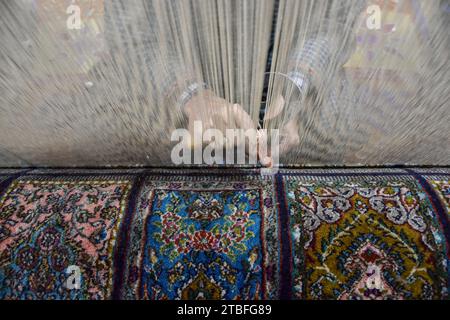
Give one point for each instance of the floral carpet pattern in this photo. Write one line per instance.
(204, 239)
(379, 233)
(365, 240)
(47, 226)
(443, 190)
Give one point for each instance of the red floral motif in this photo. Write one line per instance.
(170, 226)
(170, 218)
(183, 242)
(240, 217)
(204, 241)
(49, 238)
(27, 258)
(178, 238)
(182, 230)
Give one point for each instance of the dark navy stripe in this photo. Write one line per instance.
(6, 183)
(285, 241)
(120, 257)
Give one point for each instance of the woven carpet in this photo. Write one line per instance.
(380, 233)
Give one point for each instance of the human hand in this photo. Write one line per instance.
(217, 113)
(289, 129)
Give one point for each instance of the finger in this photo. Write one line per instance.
(263, 153)
(289, 142)
(195, 128)
(243, 121)
(275, 107)
(242, 118)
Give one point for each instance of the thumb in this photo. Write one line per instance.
(263, 153)
(194, 126)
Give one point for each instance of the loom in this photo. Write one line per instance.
(107, 93)
(338, 111)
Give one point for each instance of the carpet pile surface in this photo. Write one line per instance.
(379, 233)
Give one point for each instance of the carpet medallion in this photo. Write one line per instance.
(47, 226)
(365, 238)
(204, 238)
